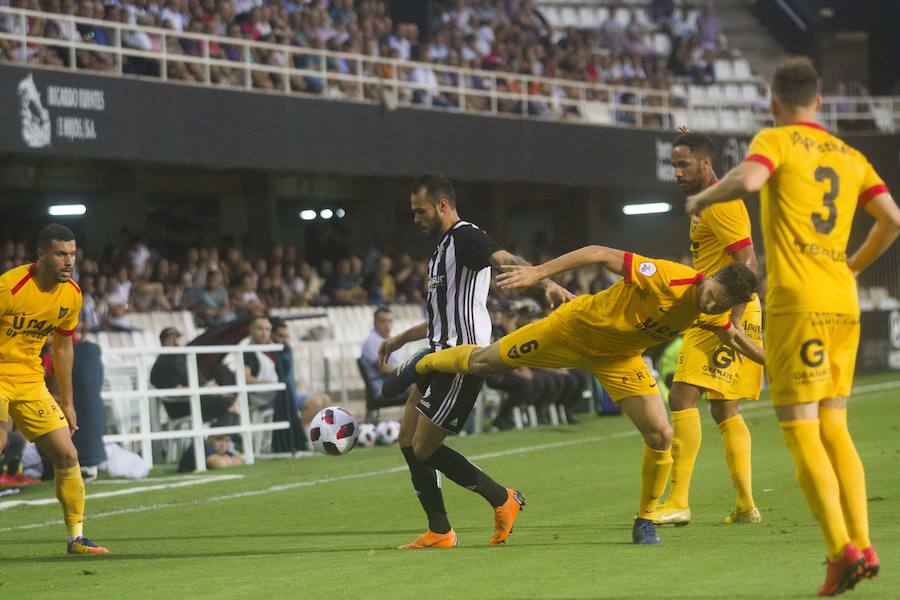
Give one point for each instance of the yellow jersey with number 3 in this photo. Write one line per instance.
(817, 181)
(28, 316)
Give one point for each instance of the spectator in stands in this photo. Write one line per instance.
(87, 382)
(709, 27)
(373, 369)
(170, 371)
(306, 404)
(94, 313)
(259, 367)
(213, 303)
(345, 287)
(381, 287)
(219, 450)
(245, 298)
(12, 445)
(117, 299)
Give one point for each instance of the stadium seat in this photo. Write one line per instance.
(732, 93)
(742, 70)
(568, 17)
(714, 94)
(749, 92)
(723, 70)
(552, 14)
(697, 94)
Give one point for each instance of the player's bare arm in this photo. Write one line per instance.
(392, 344)
(745, 255)
(882, 234)
(63, 355)
(746, 178)
(554, 294)
(517, 277)
(737, 339)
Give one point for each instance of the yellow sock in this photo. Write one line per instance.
(70, 493)
(451, 360)
(849, 470)
(818, 481)
(736, 439)
(655, 468)
(686, 436)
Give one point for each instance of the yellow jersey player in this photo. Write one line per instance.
(811, 184)
(38, 301)
(720, 235)
(606, 334)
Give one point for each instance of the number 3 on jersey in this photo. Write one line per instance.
(825, 225)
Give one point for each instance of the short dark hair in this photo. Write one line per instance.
(277, 323)
(380, 310)
(700, 144)
(167, 333)
(739, 280)
(436, 187)
(54, 232)
(795, 82)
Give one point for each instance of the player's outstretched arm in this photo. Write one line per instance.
(746, 178)
(554, 293)
(737, 339)
(63, 356)
(516, 277)
(882, 234)
(392, 344)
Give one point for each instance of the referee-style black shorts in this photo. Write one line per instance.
(449, 399)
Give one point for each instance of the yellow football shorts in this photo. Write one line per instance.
(32, 408)
(810, 356)
(709, 364)
(540, 345)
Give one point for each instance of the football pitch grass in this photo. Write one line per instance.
(328, 527)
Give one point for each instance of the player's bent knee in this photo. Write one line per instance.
(486, 361)
(660, 438)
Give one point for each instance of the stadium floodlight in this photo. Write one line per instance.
(67, 210)
(646, 209)
(339, 213)
(308, 214)
(326, 213)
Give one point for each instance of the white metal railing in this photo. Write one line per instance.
(139, 360)
(234, 62)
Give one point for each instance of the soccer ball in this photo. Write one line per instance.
(387, 432)
(333, 431)
(367, 436)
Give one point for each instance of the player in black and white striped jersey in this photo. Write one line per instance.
(458, 280)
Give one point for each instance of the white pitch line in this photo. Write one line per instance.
(144, 480)
(125, 492)
(861, 390)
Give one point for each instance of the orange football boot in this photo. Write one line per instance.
(505, 515)
(430, 539)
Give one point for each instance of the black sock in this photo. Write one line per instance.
(425, 482)
(462, 472)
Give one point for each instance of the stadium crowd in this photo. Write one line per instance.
(496, 35)
(223, 284)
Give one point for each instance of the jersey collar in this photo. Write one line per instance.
(810, 124)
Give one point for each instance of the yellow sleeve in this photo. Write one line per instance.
(767, 149)
(872, 184)
(70, 323)
(715, 322)
(6, 299)
(730, 222)
(641, 271)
